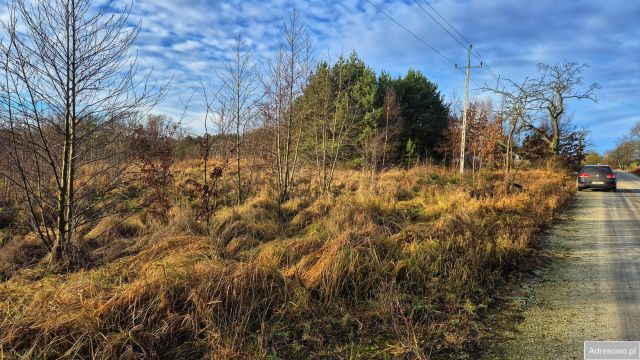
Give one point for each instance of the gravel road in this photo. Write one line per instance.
(590, 290)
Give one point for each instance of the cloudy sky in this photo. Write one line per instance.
(187, 40)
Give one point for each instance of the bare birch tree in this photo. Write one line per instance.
(342, 98)
(287, 77)
(325, 124)
(240, 81)
(70, 85)
(216, 118)
(333, 120)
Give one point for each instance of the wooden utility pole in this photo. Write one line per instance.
(464, 114)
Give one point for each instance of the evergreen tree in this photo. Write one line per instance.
(424, 111)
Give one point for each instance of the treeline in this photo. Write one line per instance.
(626, 154)
(381, 121)
(347, 115)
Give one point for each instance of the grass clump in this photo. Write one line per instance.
(18, 253)
(115, 227)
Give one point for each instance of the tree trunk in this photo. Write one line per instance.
(554, 144)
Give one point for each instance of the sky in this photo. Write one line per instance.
(186, 41)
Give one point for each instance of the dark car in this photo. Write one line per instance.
(597, 177)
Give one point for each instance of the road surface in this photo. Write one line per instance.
(591, 290)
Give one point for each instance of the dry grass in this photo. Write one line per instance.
(396, 267)
(19, 253)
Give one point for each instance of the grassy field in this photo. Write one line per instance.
(397, 266)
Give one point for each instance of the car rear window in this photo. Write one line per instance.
(597, 170)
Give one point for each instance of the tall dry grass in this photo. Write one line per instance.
(399, 266)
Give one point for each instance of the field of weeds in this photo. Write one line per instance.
(400, 266)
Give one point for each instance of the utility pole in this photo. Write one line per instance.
(464, 114)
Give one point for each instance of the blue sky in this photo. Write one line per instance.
(187, 40)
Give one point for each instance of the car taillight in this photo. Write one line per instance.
(611, 176)
(583, 175)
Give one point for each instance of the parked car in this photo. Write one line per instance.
(597, 177)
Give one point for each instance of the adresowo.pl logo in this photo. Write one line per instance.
(612, 350)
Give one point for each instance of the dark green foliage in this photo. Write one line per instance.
(573, 148)
(349, 93)
(338, 114)
(7, 216)
(424, 112)
(342, 112)
(410, 153)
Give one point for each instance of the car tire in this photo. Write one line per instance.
(614, 190)
(579, 188)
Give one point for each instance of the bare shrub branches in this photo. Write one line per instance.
(70, 87)
(153, 145)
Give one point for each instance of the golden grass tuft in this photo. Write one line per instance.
(113, 226)
(257, 219)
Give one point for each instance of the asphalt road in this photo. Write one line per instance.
(591, 289)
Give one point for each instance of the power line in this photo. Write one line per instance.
(440, 24)
(476, 53)
(448, 23)
(475, 83)
(424, 42)
(464, 115)
(489, 69)
(412, 34)
(468, 67)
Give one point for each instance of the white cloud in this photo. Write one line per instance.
(188, 39)
(186, 46)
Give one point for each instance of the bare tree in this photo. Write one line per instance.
(154, 144)
(556, 85)
(518, 105)
(485, 132)
(515, 110)
(539, 105)
(205, 150)
(70, 85)
(329, 126)
(288, 75)
(240, 81)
